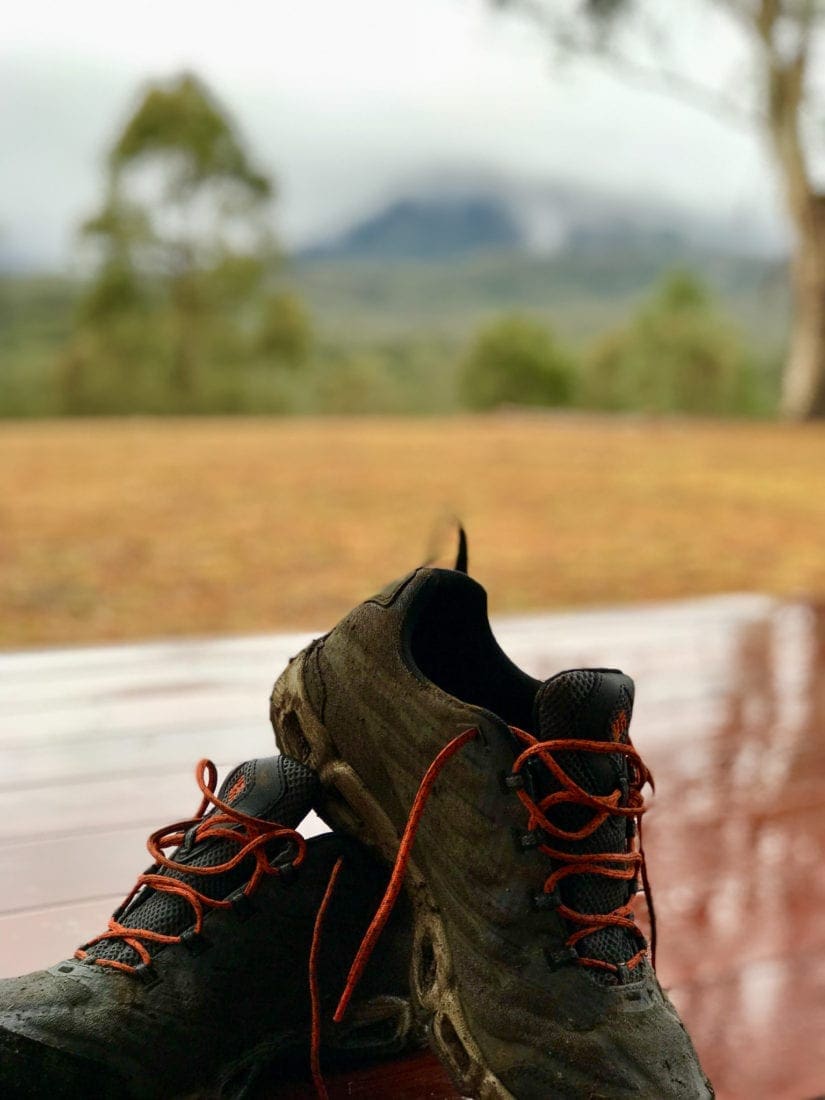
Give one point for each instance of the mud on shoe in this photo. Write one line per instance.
(510, 809)
(222, 966)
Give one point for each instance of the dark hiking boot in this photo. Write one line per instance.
(528, 963)
(224, 964)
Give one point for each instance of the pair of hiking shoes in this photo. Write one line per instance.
(509, 812)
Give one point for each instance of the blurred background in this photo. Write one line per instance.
(602, 229)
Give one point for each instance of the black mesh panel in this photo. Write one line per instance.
(560, 706)
(283, 791)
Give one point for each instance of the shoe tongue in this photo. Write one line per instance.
(273, 788)
(588, 705)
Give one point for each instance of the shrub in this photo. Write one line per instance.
(679, 353)
(353, 383)
(516, 360)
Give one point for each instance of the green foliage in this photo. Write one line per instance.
(355, 383)
(27, 388)
(516, 360)
(182, 121)
(285, 334)
(35, 318)
(183, 313)
(679, 353)
(116, 292)
(411, 348)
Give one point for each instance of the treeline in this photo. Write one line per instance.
(678, 353)
(186, 309)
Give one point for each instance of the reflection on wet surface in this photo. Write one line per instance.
(730, 717)
(737, 847)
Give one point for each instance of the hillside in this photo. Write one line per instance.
(429, 308)
(580, 290)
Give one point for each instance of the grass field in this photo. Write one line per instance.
(140, 528)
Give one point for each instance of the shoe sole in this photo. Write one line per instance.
(348, 805)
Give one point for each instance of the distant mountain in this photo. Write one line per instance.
(427, 228)
(449, 217)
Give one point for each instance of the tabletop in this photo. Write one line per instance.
(98, 744)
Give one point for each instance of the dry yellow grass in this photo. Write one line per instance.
(140, 528)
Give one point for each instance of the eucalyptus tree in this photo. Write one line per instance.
(182, 246)
(782, 95)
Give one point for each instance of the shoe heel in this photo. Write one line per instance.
(347, 805)
(299, 732)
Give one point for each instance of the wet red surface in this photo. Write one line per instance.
(730, 717)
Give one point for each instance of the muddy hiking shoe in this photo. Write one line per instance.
(223, 966)
(510, 809)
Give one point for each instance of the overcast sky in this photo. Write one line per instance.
(344, 102)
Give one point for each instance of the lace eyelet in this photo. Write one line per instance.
(287, 873)
(525, 841)
(623, 975)
(146, 974)
(242, 905)
(546, 902)
(563, 957)
(482, 740)
(194, 942)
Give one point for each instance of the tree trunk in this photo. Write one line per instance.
(803, 388)
(803, 381)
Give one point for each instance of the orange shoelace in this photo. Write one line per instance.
(314, 989)
(252, 834)
(625, 865)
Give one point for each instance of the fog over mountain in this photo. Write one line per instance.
(355, 107)
(454, 214)
(448, 214)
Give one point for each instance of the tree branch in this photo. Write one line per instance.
(690, 91)
(659, 78)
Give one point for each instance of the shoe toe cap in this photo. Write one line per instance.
(646, 1057)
